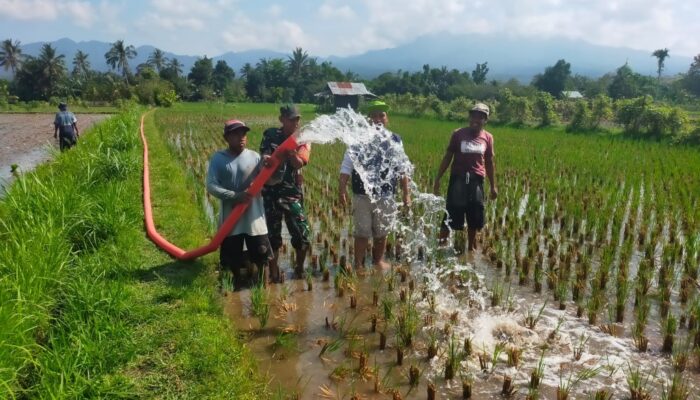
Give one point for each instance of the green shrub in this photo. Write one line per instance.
(544, 109)
(642, 116)
(581, 118)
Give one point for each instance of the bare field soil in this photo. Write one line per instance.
(25, 139)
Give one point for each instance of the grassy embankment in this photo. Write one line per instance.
(88, 306)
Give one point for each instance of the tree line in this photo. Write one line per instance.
(298, 78)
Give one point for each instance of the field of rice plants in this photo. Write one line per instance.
(587, 272)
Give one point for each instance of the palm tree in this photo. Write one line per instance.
(81, 65)
(52, 68)
(298, 61)
(157, 59)
(661, 55)
(175, 65)
(246, 70)
(118, 57)
(10, 55)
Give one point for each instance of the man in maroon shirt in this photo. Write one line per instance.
(471, 154)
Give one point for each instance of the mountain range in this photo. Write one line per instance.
(507, 56)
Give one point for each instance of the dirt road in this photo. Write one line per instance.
(26, 138)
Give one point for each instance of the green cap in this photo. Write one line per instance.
(290, 110)
(377, 106)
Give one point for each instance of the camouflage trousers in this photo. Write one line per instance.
(292, 211)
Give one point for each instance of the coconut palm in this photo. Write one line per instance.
(10, 55)
(298, 61)
(81, 65)
(661, 55)
(157, 60)
(52, 68)
(176, 66)
(118, 57)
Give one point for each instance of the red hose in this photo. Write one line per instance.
(236, 213)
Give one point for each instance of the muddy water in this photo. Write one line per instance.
(302, 322)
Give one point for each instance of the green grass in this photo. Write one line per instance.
(89, 307)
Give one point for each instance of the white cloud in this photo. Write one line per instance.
(641, 24)
(342, 28)
(333, 11)
(186, 7)
(81, 13)
(283, 35)
(274, 10)
(172, 23)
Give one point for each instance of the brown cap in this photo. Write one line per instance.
(233, 125)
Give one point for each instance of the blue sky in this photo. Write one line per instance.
(331, 27)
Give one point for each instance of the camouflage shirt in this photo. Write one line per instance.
(287, 181)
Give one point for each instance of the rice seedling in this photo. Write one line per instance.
(467, 347)
(496, 294)
(568, 384)
(532, 393)
(531, 318)
(309, 279)
(602, 394)
(638, 383)
(406, 323)
(537, 374)
(580, 345)
(454, 357)
(677, 389)
(514, 354)
(553, 334)
(226, 281)
(260, 304)
(432, 342)
(286, 342)
(669, 330)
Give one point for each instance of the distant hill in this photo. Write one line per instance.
(507, 57)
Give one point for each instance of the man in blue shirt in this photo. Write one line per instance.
(65, 127)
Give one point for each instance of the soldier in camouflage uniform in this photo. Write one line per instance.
(283, 194)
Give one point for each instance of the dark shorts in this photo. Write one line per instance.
(231, 253)
(67, 140)
(292, 212)
(467, 200)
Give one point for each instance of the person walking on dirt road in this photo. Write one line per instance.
(471, 155)
(373, 217)
(65, 127)
(283, 194)
(230, 173)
